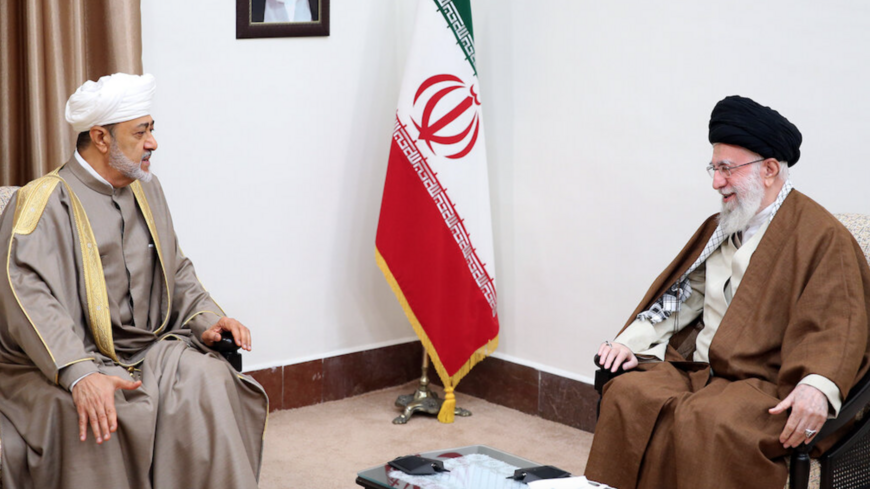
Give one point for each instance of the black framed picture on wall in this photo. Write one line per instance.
(281, 18)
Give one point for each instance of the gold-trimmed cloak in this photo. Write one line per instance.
(94, 281)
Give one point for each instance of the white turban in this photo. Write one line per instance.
(114, 98)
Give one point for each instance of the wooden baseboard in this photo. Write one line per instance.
(560, 399)
(334, 378)
(525, 389)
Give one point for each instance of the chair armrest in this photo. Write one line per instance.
(857, 400)
(228, 349)
(603, 375)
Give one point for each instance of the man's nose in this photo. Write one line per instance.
(151, 142)
(719, 181)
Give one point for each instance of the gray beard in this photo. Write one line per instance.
(127, 167)
(750, 193)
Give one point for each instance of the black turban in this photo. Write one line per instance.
(743, 122)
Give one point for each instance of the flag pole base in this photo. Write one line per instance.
(423, 400)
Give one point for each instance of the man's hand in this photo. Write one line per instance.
(612, 355)
(809, 410)
(241, 334)
(94, 397)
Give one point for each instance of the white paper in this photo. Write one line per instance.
(567, 483)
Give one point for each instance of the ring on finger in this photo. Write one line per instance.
(608, 344)
(810, 433)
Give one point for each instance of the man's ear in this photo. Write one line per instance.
(771, 168)
(101, 138)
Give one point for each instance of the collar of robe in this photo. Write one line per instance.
(30, 205)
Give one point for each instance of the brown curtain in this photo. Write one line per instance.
(47, 49)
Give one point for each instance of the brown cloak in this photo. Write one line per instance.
(802, 308)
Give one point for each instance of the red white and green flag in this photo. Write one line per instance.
(434, 239)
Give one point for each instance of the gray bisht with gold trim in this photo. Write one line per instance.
(96, 282)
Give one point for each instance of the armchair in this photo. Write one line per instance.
(846, 465)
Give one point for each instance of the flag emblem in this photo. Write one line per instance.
(430, 130)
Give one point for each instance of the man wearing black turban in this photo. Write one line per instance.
(724, 383)
(740, 121)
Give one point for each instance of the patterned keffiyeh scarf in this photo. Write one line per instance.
(678, 293)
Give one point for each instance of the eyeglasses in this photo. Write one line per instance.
(726, 170)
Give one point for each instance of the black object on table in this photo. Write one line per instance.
(539, 473)
(417, 465)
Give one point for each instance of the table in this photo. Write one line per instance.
(376, 477)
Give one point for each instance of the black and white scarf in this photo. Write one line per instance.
(678, 293)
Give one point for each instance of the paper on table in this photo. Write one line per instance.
(475, 471)
(567, 483)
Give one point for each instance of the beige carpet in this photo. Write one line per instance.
(324, 446)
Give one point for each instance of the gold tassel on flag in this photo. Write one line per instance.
(449, 406)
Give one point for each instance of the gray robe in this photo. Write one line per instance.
(194, 422)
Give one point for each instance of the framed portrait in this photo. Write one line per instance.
(281, 18)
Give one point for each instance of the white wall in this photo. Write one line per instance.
(273, 153)
(597, 116)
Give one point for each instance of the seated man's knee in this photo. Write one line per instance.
(627, 385)
(207, 369)
(717, 416)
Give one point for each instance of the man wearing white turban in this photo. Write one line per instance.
(104, 327)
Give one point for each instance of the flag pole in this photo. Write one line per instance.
(423, 399)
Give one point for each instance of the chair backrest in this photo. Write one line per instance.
(859, 226)
(6, 193)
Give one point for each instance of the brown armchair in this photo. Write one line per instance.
(846, 465)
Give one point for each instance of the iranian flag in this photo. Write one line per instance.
(434, 240)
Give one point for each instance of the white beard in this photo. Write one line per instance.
(735, 216)
(127, 167)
